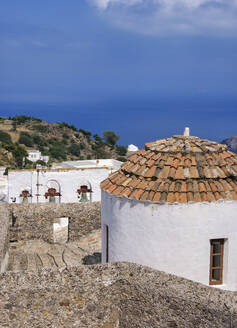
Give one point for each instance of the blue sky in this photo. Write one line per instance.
(144, 69)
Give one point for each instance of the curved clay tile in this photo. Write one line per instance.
(179, 169)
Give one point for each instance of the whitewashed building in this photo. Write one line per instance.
(35, 155)
(173, 206)
(132, 148)
(73, 181)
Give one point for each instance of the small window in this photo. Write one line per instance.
(216, 261)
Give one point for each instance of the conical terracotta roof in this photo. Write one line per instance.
(179, 169)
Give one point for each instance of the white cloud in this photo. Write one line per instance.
(164, 17)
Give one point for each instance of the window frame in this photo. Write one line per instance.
(107, 243)
(220, 267)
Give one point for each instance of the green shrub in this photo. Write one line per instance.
(5, 137)
(74, 149)
(19, 154)
(39, 141)
(66, 125)
(86, 133)
(121, 159)
(21, 119)
(66, 136)
(26, 139)
(110, 137)
(122, 151)
(41, 128)
(82, 145)
(58, 151)
(97, 139)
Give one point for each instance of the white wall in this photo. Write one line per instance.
(69, 180)
(171, 238)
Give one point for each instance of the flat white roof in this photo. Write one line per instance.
(93, 163)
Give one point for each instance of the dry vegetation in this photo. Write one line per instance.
(60, 141)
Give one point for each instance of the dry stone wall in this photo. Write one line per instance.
(35, 221)
(4, 236)
(111, 296)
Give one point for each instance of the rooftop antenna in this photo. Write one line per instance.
(186, 132)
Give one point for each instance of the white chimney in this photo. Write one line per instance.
(186, 132)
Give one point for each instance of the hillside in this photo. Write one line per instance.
(60, 141)
(231, 142)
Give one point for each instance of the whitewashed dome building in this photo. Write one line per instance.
(173, 206)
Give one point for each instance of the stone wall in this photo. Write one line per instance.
(4, 236)
(111, 296)
(35, 221)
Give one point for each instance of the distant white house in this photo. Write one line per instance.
(132, 148)
(35, 155)
(66, 182)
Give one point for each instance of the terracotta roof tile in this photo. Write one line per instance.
(187, 163)
(177, 169)
(190, 197)
(197, 197)
(127, 192)
(202, 187)
(194, 172)
(163, 196)
(144, 196)
(179, 173)
(210, 197)
(164, 173)
(151, 172)
(151, 195)
(217, 195)
(183, 197)
(156, 197)
(105, 183)
(171, 197)
(118, 191)
(204, 197)
(175, 163)
(195, 186)
(234, 195)
(172, 172)
(112, 188)
(183, 187)
(138, 193)
(189, 186)
(213, 187)
(126, 182)
(150, 162)
(194, 163)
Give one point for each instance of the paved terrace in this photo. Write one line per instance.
(38, 254)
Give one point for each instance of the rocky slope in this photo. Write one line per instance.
(60, 141)
(231, 142)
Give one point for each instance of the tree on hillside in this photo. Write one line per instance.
(25, 139)
(110, 137)
(5, 137)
